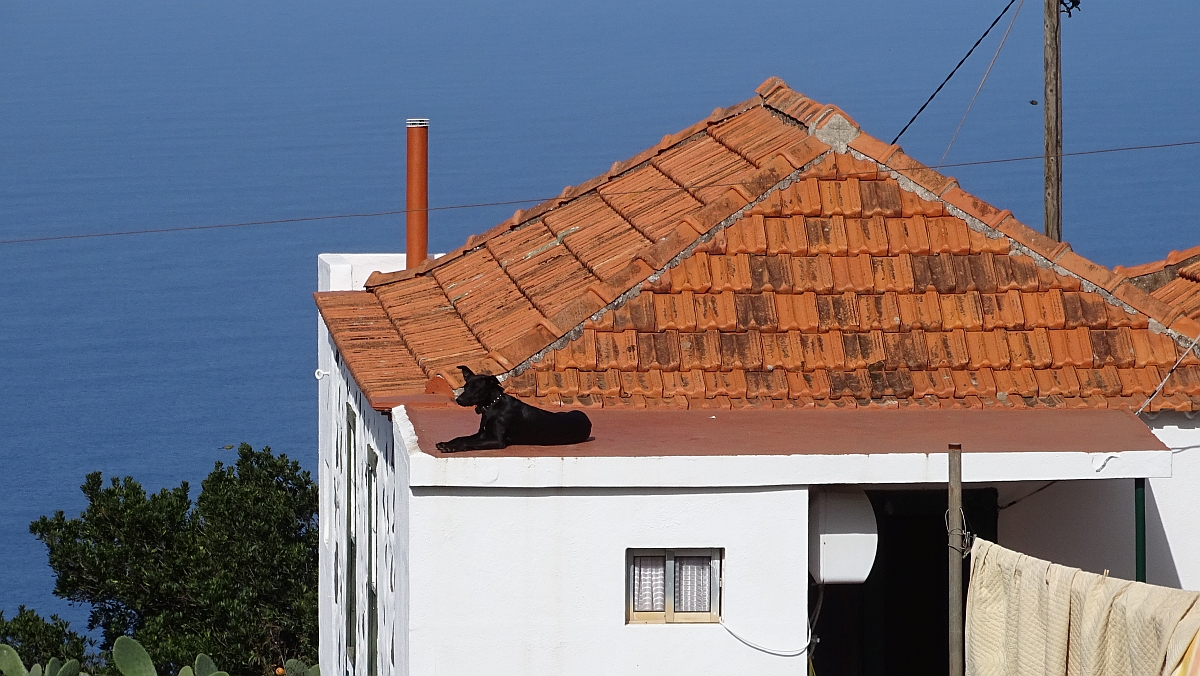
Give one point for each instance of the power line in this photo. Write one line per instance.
(687, 188)
(960, 63)
(978, 89)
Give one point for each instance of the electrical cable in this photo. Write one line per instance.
(986, 73)
(89, 235)
(1164, 380)
(812, 623)
(960, 63)
(1027, 495)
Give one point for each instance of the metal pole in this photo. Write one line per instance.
(1052, 105)
(416, 214)
(954, 527)
(1139, 529)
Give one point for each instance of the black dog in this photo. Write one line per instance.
(509, 421)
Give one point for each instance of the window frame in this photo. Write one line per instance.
(668, 615)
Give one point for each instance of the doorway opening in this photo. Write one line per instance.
(895, 623)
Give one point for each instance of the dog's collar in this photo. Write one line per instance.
(493, 402)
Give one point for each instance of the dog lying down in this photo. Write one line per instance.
(507, 420)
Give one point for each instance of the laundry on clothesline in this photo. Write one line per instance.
(1029, 617)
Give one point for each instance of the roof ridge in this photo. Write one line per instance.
(569, 193)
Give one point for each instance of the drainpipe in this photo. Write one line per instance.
(416, 214)
(1139, 529)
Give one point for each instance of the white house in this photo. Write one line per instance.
(776, 324)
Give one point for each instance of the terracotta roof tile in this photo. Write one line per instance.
(770, 274)
(840, 198)
(541, 266)
(700, 351)
(880, 198)
(867, 235)
(948, 234)
(802, 198)
(724, 384)
(797, 312)
(841, 289)
(1030, 349)
(579, 353)
(853, 273)
(716, 311)
(822, 350)
(1071, 347)
(597, 235)
(920, 311)
(862, 350)
(812, 273)
(786, 235)
(893, 273)
(826, 235)
(837, 312)
(366, 339)
(905, 350)
(649, 200)
(616, 350)
(730, 272)
(781, 350)
(1002, 310)
(756, 135)
(704, 167)
(430, 325)
(879, 312)
(755, 311)
(747, 235)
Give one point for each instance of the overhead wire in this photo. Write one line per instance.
(956, 67)
(534, 200)
(978, 89)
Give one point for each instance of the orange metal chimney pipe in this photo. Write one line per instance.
(416, 214)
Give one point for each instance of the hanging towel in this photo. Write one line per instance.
(1190, 664)
(1028, 617)
(1018, 614)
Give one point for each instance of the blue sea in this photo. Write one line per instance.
(143, 355)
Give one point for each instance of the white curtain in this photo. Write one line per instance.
(692, 584)
(649, 584)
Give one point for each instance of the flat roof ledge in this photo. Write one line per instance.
(795, 447)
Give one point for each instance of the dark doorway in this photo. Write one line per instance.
(895, 623)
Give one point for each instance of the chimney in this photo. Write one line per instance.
(416, 216)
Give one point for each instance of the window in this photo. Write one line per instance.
(673, 585)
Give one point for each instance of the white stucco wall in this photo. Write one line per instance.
(1173, 506)
(533, 581)
(1090, 524)
(372, 430)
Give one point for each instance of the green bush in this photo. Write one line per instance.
(31, 638)
(131, 659)
(233, 574)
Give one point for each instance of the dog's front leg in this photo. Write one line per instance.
(483, 440)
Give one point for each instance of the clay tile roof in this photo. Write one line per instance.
(1174, 280)
(774, 255)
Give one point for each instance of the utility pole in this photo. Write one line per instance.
(1052, 105)
(956, 543)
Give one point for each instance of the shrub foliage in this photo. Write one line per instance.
(232, 574)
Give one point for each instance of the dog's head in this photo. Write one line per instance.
(479, 390)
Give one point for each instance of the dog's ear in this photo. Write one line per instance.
(466, 372)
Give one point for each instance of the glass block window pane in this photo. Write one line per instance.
(692, 584)
(650, 584)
